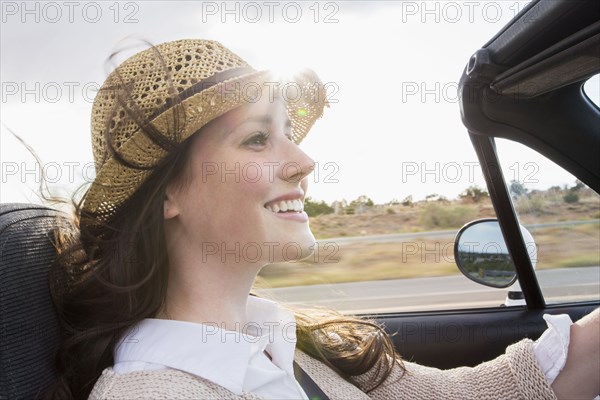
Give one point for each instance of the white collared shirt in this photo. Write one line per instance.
(235, 360)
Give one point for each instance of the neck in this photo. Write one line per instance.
(209, 292)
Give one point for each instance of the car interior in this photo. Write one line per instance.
(524, 84)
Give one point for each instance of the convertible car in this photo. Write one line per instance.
(525, 85)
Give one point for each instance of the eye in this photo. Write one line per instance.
(257, 140)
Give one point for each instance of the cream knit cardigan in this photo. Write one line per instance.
(514, 375)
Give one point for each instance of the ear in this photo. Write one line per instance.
(171, 210)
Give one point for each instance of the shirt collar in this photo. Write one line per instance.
(211, 352)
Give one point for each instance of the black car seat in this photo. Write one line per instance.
(29, 328)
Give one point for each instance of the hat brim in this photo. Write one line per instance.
(115, 182)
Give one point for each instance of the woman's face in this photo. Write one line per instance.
(242, 196)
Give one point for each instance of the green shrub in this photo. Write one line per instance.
(314, 208)
(571, 197)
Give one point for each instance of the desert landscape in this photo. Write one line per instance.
(360, 240)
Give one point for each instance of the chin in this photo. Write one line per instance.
(308, 249)
(296, 248)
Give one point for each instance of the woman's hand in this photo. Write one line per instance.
(580, 378)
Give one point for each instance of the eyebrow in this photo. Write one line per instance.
(263, 119)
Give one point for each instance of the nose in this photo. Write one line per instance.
(296, 165)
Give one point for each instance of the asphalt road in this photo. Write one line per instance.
(448, 292)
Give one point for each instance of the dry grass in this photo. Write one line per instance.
(574, 246)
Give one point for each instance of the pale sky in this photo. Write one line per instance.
(394, 126)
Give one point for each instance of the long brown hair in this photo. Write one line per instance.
(110, 277)
(113, 274)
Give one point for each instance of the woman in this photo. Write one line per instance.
(199, 184)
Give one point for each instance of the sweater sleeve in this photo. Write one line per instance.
(514, 375)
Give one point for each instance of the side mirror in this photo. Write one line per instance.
(482, 256)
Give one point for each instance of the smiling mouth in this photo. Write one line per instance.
(286, 206)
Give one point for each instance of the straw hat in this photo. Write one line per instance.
(177, 87)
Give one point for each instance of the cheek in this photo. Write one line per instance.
(229, 192)
(247, 182)
(236, 195)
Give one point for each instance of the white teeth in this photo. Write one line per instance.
(286, 205)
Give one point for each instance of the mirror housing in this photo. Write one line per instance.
(481, 253)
